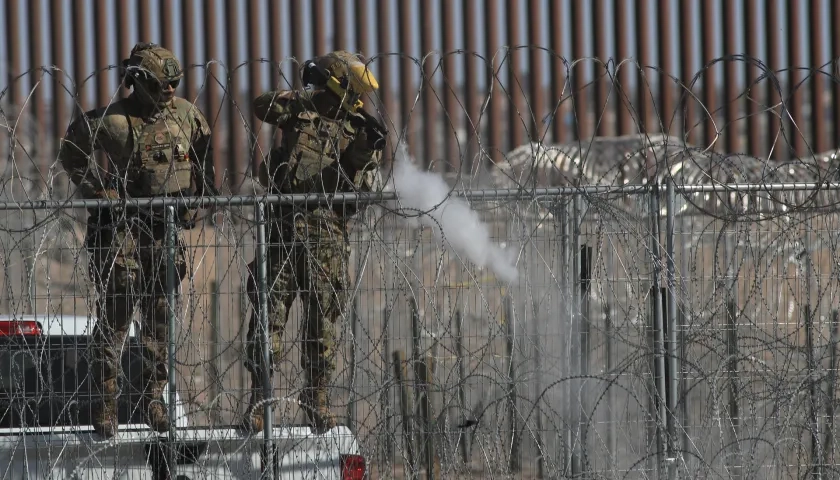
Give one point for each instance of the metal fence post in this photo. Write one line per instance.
(31, 264)
(418, 376)
(216, 365)
(577, 328)
(569, 252)
(262, 290)
(831, 387)
(584, 273)
(538, 436)
(388, 438)
(354, 328)
(514, 463)
(462, 379)
(659, 332)
(407, 412)
(170, 301)
(673, 351)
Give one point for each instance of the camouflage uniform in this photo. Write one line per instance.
(157, 145)
(327, 147)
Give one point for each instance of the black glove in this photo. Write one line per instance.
(372, 130)
(188, 218)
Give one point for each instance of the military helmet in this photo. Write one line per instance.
(350, 70)
(150, 60)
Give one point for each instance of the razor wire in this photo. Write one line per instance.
(562, 371)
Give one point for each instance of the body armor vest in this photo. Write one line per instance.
(160, 164)
(315, 146)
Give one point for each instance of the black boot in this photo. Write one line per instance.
(315, 403)
(104, 414)
(155, 411)
(254, 420)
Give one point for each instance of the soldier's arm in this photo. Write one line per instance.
(201, 155)
(277, 107)
(76, 157)
(365, 151)
(364, 159)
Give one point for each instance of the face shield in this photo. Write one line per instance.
(344, 74)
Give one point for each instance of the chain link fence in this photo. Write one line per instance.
(673, 313)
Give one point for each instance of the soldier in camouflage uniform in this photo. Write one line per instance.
(329, 145)
(157, 145)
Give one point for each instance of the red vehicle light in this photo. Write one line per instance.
(353, 467)
(25, 328)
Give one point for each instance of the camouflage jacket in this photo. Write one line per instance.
(114, 131)
(357, 162)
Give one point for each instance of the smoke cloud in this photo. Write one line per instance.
(450, 217)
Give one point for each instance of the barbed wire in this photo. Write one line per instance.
(635, 252)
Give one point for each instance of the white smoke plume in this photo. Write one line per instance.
(450, 216)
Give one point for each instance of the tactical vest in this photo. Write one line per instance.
(160, 165)
(314, 144)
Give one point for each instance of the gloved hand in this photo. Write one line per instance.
(370, 132)
(105, 210)
(188, 218)
(107, 194)
(375, 138)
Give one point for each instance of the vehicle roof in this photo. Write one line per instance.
(58, 324)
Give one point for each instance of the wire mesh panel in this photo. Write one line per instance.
(443, 365)
(631, 306)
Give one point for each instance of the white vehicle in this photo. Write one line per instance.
(45, 430)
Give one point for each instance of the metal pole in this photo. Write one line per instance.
(170, 301)
(425, 368)
(415, 366)
(514, 463)
(31, 281)
(612, 436)
(462, 381)
(568, 271)
(577, 314)
(584, 278)
(262, 289)
(354, 327)
(831, 387)
(407, 411)
(388, 439)
(736, 455)
(379, 197)
(537, 391)
(815, 389)
(216, 387)
(673, 352)
(659, 339)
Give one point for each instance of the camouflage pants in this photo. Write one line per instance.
(128, 261)
(307, 256)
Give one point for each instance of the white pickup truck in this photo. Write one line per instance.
(45, 430)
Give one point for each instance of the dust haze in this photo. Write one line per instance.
(425, 198)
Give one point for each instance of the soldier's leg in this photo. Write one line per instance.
(326, 299)
(113, 271)
(155, 307)
(281, 290)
